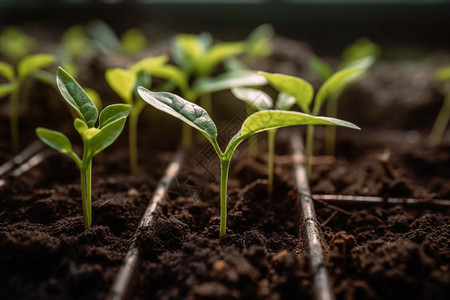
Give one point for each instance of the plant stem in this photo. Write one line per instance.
(309, 148)
(14, 119)
(86, 189)
(440, 124)
(330, 131)
(270, 162)
(253, 146)
(132, 136)
(205, 102)
(224, 166)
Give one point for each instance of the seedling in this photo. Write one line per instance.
(95, 139)
(261, 101)
(303, 93)
(198, 118)
(26, 67)
(124, 82)
(437, 132)
(15, 45)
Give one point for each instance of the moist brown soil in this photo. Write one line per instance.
(45, 251)
(259, 258)
(380, 251)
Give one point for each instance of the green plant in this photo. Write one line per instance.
(124, 82)
(261, 101)
(15, 45)
(437, 132)
(25, 67)
(197, 117)
(303, 92)
(95, 139)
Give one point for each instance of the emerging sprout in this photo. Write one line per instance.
(261, 101)
(95, 139)
(27, 66)
(195, 116)
(437, 132)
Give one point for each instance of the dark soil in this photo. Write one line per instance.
(258, 258)
(387, 252)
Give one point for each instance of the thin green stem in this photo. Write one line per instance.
(132, 136)
(14, 119)
(224, 167)
(309, 149)
(330, 131)
(86, 190)
(253, 146)
(437, 132)
(271, 159)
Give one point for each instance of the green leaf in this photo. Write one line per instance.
(57, 141)
(80, 126)
(334, 84)
(285, 101)
(75, 41)
(361, 48)
(76, 97)
(258, 43)
(33, 63)
(14, 44)
(272, 119)
(95, 97)
(228, 80)
(122, 82)
(320, 68)
(104, 36)
(186, 50)
(7, 88)
(112, 113)
(133, 41)
(297, 87)
(171, 73)
(105, 136)
(149, 63)
(7, 71)
(142, 79)
(256, 98)
(182, 109)
(217, 54)
(442, 74)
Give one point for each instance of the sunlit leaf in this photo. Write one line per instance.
(33, 63)
(228, 80)
(122, 81)
(7, 88)
(7, 71)
(255, 98)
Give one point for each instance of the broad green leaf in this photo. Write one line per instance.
(113, 112)
(104, 36)
(228, 80)
(105, 136)
(95, 97)
(142, 79)
(259, 43)
(75, 41)
(333, 85)
(217, 54)
(186, 50)
(7, 71)
(122, 82)
(442, 74)
(7, 88)
(361, 48)
(272, 119)
(256, 98)
(133, 41)
(234, 64)
(76, 97)
(171, 73)
(57, 141)
(182, 109)
(45, 77)
(80, 126)
(149, 63)
(284, 101)
(320, 68)
(14, 44)
(297, 87)
(33, 63)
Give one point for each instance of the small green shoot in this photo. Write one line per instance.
(27, 66)
(261, 101)
(198, 118)
(95, 139)
(440, 124)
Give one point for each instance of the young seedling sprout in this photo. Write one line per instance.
(26, 67)
(261, 101)
(197, 117)
(124, 82)
(437, 132)
(95, 139)
(303, 93)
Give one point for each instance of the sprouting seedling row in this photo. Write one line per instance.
(111, 121)
(198, 118)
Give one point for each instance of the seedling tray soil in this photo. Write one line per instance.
(387, 251)
(45, 251)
